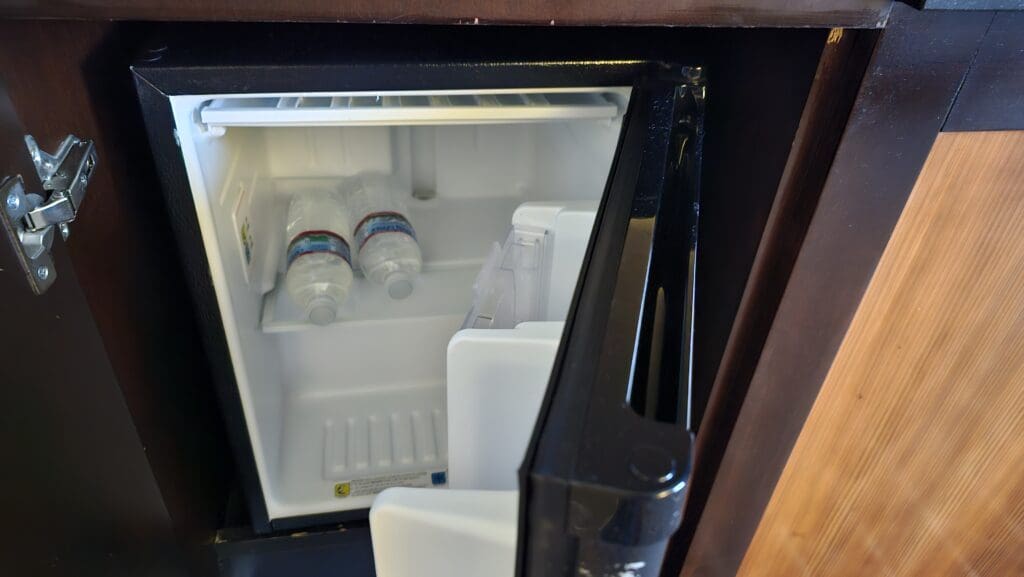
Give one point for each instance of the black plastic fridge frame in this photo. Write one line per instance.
(663, 121)
(604, 481)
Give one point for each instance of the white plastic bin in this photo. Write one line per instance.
(430, 533)
(496, 382)
(499, 365)
(497, 373)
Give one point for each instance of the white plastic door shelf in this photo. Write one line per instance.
(496, 380)
(430, 533)
(496, 383)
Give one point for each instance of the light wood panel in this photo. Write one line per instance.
(905, 95)
(911, 461)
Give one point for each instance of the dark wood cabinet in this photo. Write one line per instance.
(776, 374)
(821, 120)
(78, 489)
(741, 13)
(119, 352)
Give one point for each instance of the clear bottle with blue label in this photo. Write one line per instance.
(385, 240)
(319, 255)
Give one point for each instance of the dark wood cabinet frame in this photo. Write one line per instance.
(801, 296)
(854, 159)
(738, 13)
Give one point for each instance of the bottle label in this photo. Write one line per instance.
(318, 241)
(380, 222)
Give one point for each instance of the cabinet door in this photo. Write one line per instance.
(604, 480)
(78, 494)
(881, 422)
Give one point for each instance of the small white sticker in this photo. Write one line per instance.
(374, 485)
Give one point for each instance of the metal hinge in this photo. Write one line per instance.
(31, 219)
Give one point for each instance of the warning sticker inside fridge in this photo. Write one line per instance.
(374, 485)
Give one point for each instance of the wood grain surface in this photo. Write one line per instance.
(910, 462)
(832, 94)
(905, 95)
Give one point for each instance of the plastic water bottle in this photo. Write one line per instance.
(384, 238)
(319, 259)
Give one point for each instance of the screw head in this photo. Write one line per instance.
(65, 231)
(43, 272)
(693, 73)
(13, 202)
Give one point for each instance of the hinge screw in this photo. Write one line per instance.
(65, 231)
(13, 202)
(43, 272)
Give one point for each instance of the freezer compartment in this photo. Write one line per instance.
(423, 107)
(337, 413)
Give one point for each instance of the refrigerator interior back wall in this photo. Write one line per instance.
(361, 401)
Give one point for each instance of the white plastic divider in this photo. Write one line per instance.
(411, 108)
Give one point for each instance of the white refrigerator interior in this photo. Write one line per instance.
(501, 187)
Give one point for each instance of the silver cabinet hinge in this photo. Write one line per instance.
(31, 219)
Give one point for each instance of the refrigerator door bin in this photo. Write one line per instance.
(531, 276)
(496, 379)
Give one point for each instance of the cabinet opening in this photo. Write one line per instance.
(501, 188)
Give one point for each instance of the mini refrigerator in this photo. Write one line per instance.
(554, 194)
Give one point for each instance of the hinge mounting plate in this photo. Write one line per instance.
(31, 219)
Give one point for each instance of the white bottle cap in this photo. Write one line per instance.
(322, 310)
(399, 285)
